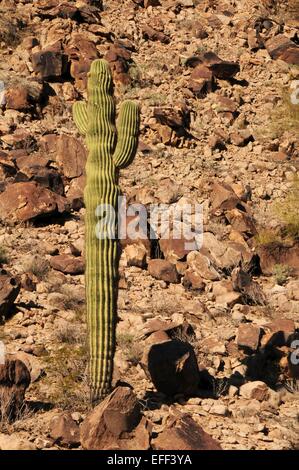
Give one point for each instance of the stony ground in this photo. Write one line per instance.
(217, 130)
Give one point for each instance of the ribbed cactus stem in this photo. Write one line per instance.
(107, 151)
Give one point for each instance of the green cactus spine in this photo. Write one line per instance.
(108, 150)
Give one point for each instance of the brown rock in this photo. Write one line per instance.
(183, 433)
(202, 266)
(17, 98)
(201, 81)
(281, 47)
(64, 430)
(241, 222)
(221, 69)
(283, 328)
(241, 137)
(50, 64)
(174, 249)
(9, 290)
(118, 58)
(116, 424)
(248, 337)
(153, 35)
(223, 198)
(151, 3)
(255, 390)
(254, 39)
(26, 201)
(14, 379)
(67, 151)
(75, 192)
(164, 270)
(67, 264)
(278, 253)
(172, 367)
(193, 280)
(135, 255)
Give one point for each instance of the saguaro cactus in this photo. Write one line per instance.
(109, 149)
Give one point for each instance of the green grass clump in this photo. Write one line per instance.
(281, 272)
(287, 212)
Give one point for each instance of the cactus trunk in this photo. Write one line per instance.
(108, 151)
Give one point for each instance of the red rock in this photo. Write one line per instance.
(26, 201)
(81, 53)
(68, 264)
(67, 151)
(51, 65)
(183, 433)
(154, 35)
(255, 390)
(202, 266)
(14, 380)
(64, 430)
(9, 290)
(241, 222)
(201, 81)
(241, 137)
(172, 367)
(278, 253)
(116, 423)
(221, 69)
(281, 47)
(17, 98)
(193, 280)
(163, 270)
(174, 249)
(118, 58)
(248, 337)
(223, 198)
(283, 329)
(151, 3)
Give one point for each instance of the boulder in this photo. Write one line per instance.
(68, 264)
(163, 270)
(64, 430)
(135, 255)
(116, 424)
(255, 390)
(172, 367)
(223, 198)
(68, 152)
(202, 266)
(50, 64)
(281, 47)
(248, 337)
(14, 380)
(21, 202)
(278, 253)
(183, 433)
(9, 290)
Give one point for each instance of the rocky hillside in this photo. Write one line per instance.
(207, 340)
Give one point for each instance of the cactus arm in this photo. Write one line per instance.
(128, 129)
(80, 116)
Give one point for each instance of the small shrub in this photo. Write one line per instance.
(281, 272)
(68, 334)
(37, 266)
(267, 236)
(3, 255)
(285, 117)
(130, 347)
(288, 212)
(66, 383)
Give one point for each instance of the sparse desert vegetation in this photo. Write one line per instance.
(205, 333)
